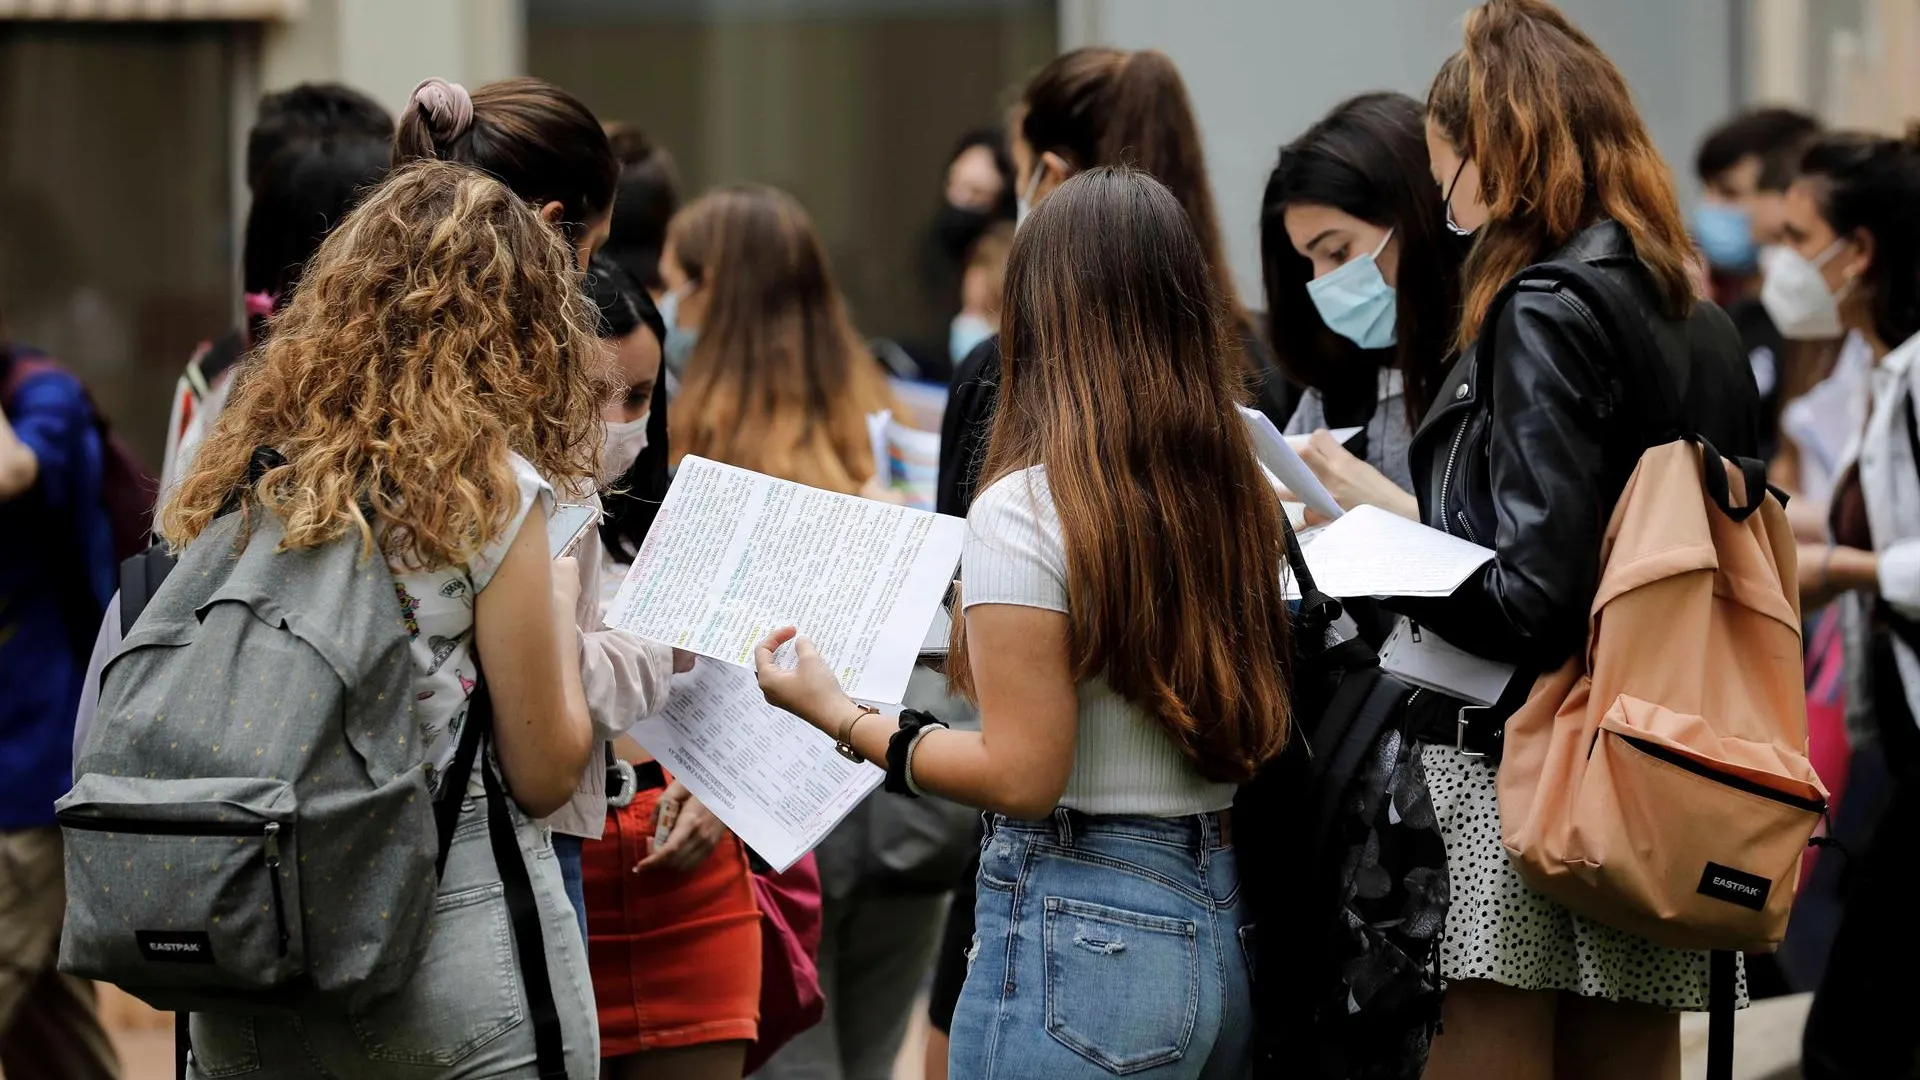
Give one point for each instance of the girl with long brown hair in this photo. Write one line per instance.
(776, 379)
(436, 361)
(1126, 638)
(1541, 157)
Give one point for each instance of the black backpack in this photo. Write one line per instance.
(1344, 867)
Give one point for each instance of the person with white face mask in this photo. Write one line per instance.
(1797, 293)
(675, 932)
(1853, 216)
(1351, 242)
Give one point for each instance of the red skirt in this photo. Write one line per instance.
(675, 956)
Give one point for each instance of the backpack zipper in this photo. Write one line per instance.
(269, 834)
(1738, 783)
(140, 827)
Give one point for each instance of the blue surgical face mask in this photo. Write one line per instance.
(1356, 302)
(1725, 233)
(967, 331)
(678, 347)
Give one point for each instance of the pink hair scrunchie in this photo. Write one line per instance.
(448, 107)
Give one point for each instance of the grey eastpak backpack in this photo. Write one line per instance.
(252, 828)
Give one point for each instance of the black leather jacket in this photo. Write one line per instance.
(1530, 459)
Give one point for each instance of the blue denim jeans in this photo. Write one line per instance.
(567, 852)
(1106, 946)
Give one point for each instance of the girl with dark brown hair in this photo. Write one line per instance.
(1126, 638)
(1540, 155)
(1088, 108)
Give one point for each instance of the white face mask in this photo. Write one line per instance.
(1795, 295)
(1023, 205)
(623, 445)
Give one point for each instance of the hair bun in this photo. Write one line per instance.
(447, 107)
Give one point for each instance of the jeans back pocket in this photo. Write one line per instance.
(464, 993)
(1122, 988)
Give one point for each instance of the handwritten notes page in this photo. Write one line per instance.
(735, 555)
(1375, 552)
(774, 780)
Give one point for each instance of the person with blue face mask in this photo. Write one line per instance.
(681, 335)
(1362, 279)
(1724, 232)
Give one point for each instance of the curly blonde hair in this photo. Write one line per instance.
(440, 327)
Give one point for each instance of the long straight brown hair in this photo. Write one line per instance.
(1116, 377)
(1550, 122)
(778, 382)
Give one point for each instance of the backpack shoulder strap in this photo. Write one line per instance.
(1607, 302)
(1317, 610)
(142, 573)
(522, 909)
(1645, 376)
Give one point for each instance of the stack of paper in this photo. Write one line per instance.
(905, 459)
(1339, 434)
(733, 556)
(1375, 552)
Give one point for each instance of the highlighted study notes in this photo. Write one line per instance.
(735, 555)
(775, 781)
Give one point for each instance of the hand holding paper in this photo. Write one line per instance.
(1375, 552)
(772, 779)
(1284, 463)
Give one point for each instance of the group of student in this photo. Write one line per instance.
(494, 306)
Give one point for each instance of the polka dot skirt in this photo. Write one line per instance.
(1499, 929)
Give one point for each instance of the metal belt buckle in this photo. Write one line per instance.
(628, 784)
(1460, 722)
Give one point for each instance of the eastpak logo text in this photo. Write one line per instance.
(175, 946)
(1735, 886)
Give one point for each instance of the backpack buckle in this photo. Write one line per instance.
(1460, 723)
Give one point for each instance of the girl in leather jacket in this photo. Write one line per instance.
(1540, 155)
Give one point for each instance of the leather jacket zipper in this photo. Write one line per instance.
(1465, 525)
(1446, 478)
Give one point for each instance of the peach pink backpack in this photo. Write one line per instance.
(1660, 783)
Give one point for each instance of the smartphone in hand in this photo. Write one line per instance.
(570, 523)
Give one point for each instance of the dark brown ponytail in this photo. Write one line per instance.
(1100, 106)
(533, 136)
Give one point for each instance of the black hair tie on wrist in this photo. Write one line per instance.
(911, 723)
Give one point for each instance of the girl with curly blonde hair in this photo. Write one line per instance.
(437, 361)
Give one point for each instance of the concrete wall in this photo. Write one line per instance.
(385, 47)
(1261, 71)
